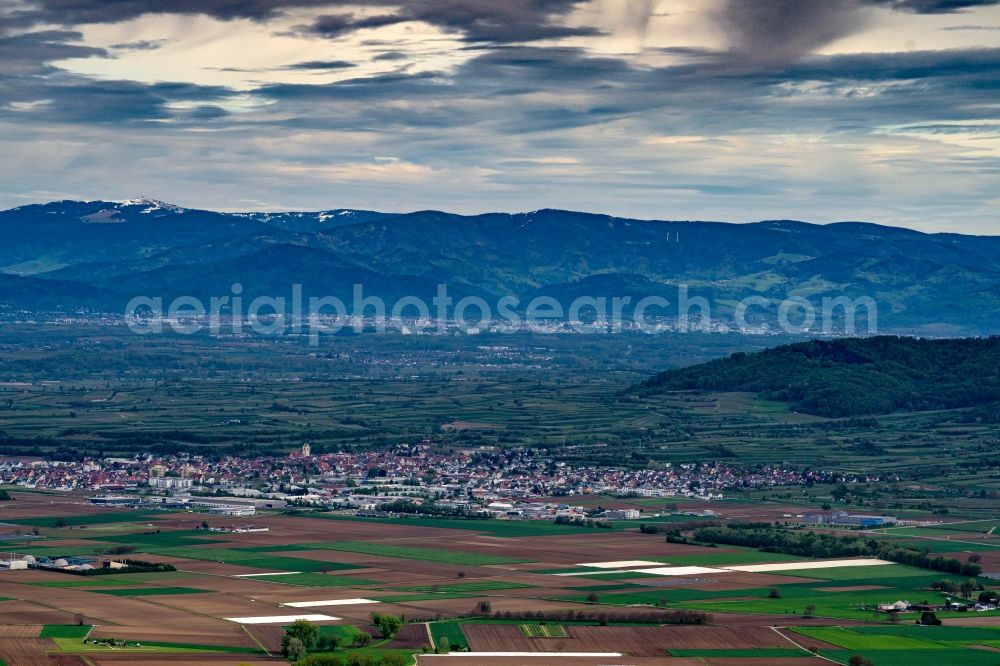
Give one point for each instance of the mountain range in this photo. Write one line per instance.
(96, 255)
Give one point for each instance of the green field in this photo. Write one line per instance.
(65, 630)
(94, 519)
(951, 546)
(498, 528)
(958, 657)
(418, 553)
(84, 581)
(903, 637)
(536, 630)
(617, 575)
(941, 633)
(757, 653)
(863, 575)
(341, 631)
(317, 580)
(851, 640)
(474, 586)
(254, 559)
(609, 587)
(59, 551)
(430, 596)
(144, 540)
(199, 647)
(450, 629)
(76, 646)
(794, 596)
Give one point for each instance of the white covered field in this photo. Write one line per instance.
(642, 566)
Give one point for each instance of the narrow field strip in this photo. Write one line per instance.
(547, 655)
(623, 564)
(282, 619)
(798, 566)
(329, 602)
(680, 571)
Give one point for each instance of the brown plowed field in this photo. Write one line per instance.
(227, 634)
(457, 659)
(410, 636)
(25, 612)
(635, 641)
(268, 635)
(33, 652)
(763, 661)
(186, 660)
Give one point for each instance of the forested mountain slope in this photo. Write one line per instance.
(855, 376)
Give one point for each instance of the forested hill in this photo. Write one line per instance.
(855, 376)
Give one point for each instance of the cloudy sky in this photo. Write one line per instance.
(822, 110)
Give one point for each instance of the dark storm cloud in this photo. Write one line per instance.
(780, 31)
(317, 65)
(28, 77)
(484, 21)
(390, 56)
(334, 25)
(321, 65)
(536, 90)
(506, 21)
(31, 52)
(77, 12)
(142, 45)
(933, 6)
(84, 101)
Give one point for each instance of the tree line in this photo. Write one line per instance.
(768, 538)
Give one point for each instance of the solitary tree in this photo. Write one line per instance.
(295, 650)
(388, 624)
(305, 631)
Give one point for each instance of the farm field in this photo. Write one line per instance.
(898, 645)
(465, 587)
(417, 553)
